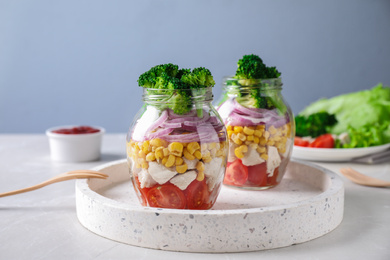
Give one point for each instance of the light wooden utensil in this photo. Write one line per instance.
(78, 174)
(362, 179)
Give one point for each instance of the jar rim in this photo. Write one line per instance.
(269, 84)
(199, 94)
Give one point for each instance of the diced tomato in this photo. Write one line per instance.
(166, 196)
(257, 174)
(323, 141)
(299, 141)
(236, 173)
(198, 196)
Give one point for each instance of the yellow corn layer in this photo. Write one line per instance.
(173, 154)
(259, 135)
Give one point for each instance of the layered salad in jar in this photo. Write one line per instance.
(260, 125)
(177, 145)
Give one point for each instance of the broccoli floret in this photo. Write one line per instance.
(198, 80)
(180, 102)
(148, 79)
(250, 71)
(168, 79)
(314, 125)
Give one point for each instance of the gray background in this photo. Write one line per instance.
(77, 62)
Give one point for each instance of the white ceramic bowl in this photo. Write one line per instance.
(75, 147)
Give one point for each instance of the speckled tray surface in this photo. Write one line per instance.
(307, 204)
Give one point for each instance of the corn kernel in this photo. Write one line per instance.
(263, 141)
(260, 127)
(171, 161)
(138, 165)
(141, 154)
(282, 150)
(203, 147)
(198, 155)
(250, 138)
(207, 160)
(145, 165)
(239, 151)
(200, 176)
(150, 157)
(165, 151)
(192, 147)
(229, 127)
(179, 161)
(164, 160)
(248, 131)
(266, 134)
(156, 142)
(230, 132)
(261, 149)
(200, 166)
(159, 153)
(264, 156)
(256, 140)
(272, 130)
(270, 142)
(175, 148)
(258, 133)
(182, 168)
(206, 154)
(236, 139)
(241, 136)
(145, 146)
(238, 129)
(187, 154)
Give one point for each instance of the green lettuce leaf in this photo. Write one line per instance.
(365, 115)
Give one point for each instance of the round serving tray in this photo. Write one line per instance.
(307, 204)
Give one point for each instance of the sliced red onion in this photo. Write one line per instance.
(170, 124)
(160, 133)
(163, 117)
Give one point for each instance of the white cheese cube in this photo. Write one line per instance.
(273, 160)
(183, 180)
(251, 157)
(160, 173)
(145, 179)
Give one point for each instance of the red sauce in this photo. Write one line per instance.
(77, 130)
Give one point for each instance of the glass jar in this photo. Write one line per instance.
(260, 127)
(177, 149)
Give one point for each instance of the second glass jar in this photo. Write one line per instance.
(260, 127)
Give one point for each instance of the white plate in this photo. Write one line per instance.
(307, 204)
(335, 155)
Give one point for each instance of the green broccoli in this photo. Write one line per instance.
(148, 79)
(314, 125)
(250, 72)
(179, 84)
(198, 80)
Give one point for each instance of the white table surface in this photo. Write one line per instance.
(42, 224)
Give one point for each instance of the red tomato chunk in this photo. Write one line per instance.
(77, 130)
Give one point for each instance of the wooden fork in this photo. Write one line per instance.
(78, 174)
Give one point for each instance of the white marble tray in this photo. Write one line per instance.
(307, 204)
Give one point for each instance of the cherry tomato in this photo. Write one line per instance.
(198, 196)
(166, 196)
(257, 174)
(323, 141)
(236, 173)
(299, 141)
